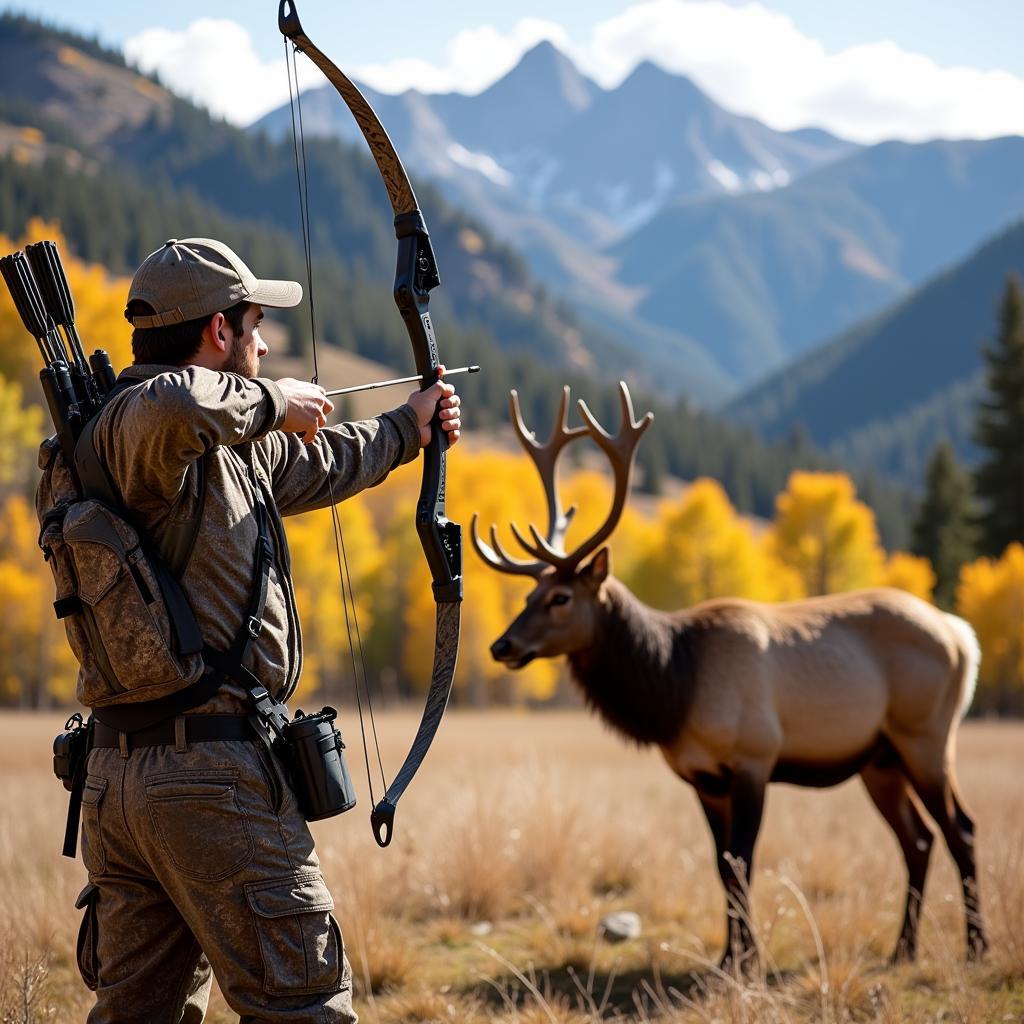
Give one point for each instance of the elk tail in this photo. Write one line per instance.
(970, 659)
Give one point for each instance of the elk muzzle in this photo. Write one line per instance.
(508, 653)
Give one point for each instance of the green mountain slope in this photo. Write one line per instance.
(886, 391)
(760, 278)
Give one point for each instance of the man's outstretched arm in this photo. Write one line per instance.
(310, 464)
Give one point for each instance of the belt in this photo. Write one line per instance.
(177, 732)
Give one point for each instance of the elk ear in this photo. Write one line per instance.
(596, 571)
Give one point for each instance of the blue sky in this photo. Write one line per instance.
(871, 70)
(954, 32)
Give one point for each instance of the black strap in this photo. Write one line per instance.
(70, 847)
(252, 623)
(230, 664)
(66, 606)
(141, 715)
(187, 637)
(196, 728)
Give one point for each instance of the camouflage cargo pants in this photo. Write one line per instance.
(199, 859)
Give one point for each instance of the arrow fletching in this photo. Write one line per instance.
(53, 283)
(17, 274)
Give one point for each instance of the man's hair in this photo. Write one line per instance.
(177, 343)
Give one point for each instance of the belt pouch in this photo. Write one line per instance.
(315, 753)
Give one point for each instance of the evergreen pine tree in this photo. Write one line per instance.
(652, 465)
(999, 429)
(944, 529)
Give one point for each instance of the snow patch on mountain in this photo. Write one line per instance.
(766, 181)
(482, 163)
(725, 176)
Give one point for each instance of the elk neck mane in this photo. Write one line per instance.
(639, 672)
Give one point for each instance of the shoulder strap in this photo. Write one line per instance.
(180, 537)
(92, 474)
(229, 664)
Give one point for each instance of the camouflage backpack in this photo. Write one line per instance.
(126, 616)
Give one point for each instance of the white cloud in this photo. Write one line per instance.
(213, 62)
(749, 58)
(476, 57)
(756, 61)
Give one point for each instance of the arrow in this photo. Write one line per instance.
(398, 380)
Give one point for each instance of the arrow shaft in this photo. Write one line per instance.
(397, 380)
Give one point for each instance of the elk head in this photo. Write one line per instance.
(562, 611)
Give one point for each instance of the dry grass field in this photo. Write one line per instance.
(521, 832)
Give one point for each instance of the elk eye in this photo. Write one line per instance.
(560, 599)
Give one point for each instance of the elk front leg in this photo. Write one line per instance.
(733, 805)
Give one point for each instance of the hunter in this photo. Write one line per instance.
(200, 861)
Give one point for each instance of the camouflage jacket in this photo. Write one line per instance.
(150, 439)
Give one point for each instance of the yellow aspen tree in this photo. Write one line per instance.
(592, 492)
(703, 550)
(825, 534)
(911, 573)
(504, 488)
(990, 596)
(36, 657)
(318, 593)
(99, 311)
(21, 430)
(402, 572)
(20, 629)
(499, 488)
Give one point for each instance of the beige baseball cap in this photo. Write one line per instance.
(193, 277)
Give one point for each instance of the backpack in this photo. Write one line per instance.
(125, 613)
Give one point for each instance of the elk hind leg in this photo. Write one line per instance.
(891, 791)
(932, 777)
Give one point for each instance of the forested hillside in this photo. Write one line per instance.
(884, 393)
(761, 278)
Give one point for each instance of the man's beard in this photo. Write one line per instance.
(242, 360)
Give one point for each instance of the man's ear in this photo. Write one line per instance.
(596, 571)
(215, 330)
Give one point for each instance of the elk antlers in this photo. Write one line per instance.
(548, 550)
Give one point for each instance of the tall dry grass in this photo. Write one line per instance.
(522, 831)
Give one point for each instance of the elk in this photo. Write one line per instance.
(737, 694)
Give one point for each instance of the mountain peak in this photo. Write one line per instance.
(545, 75)
(650, 76)
(544, 50)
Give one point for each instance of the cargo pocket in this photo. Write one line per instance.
(299, 939)
(202, 829)
(88, 961)
(94, 854)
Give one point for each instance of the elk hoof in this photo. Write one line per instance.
(904, 953)
(739, 962)
(977, 945)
